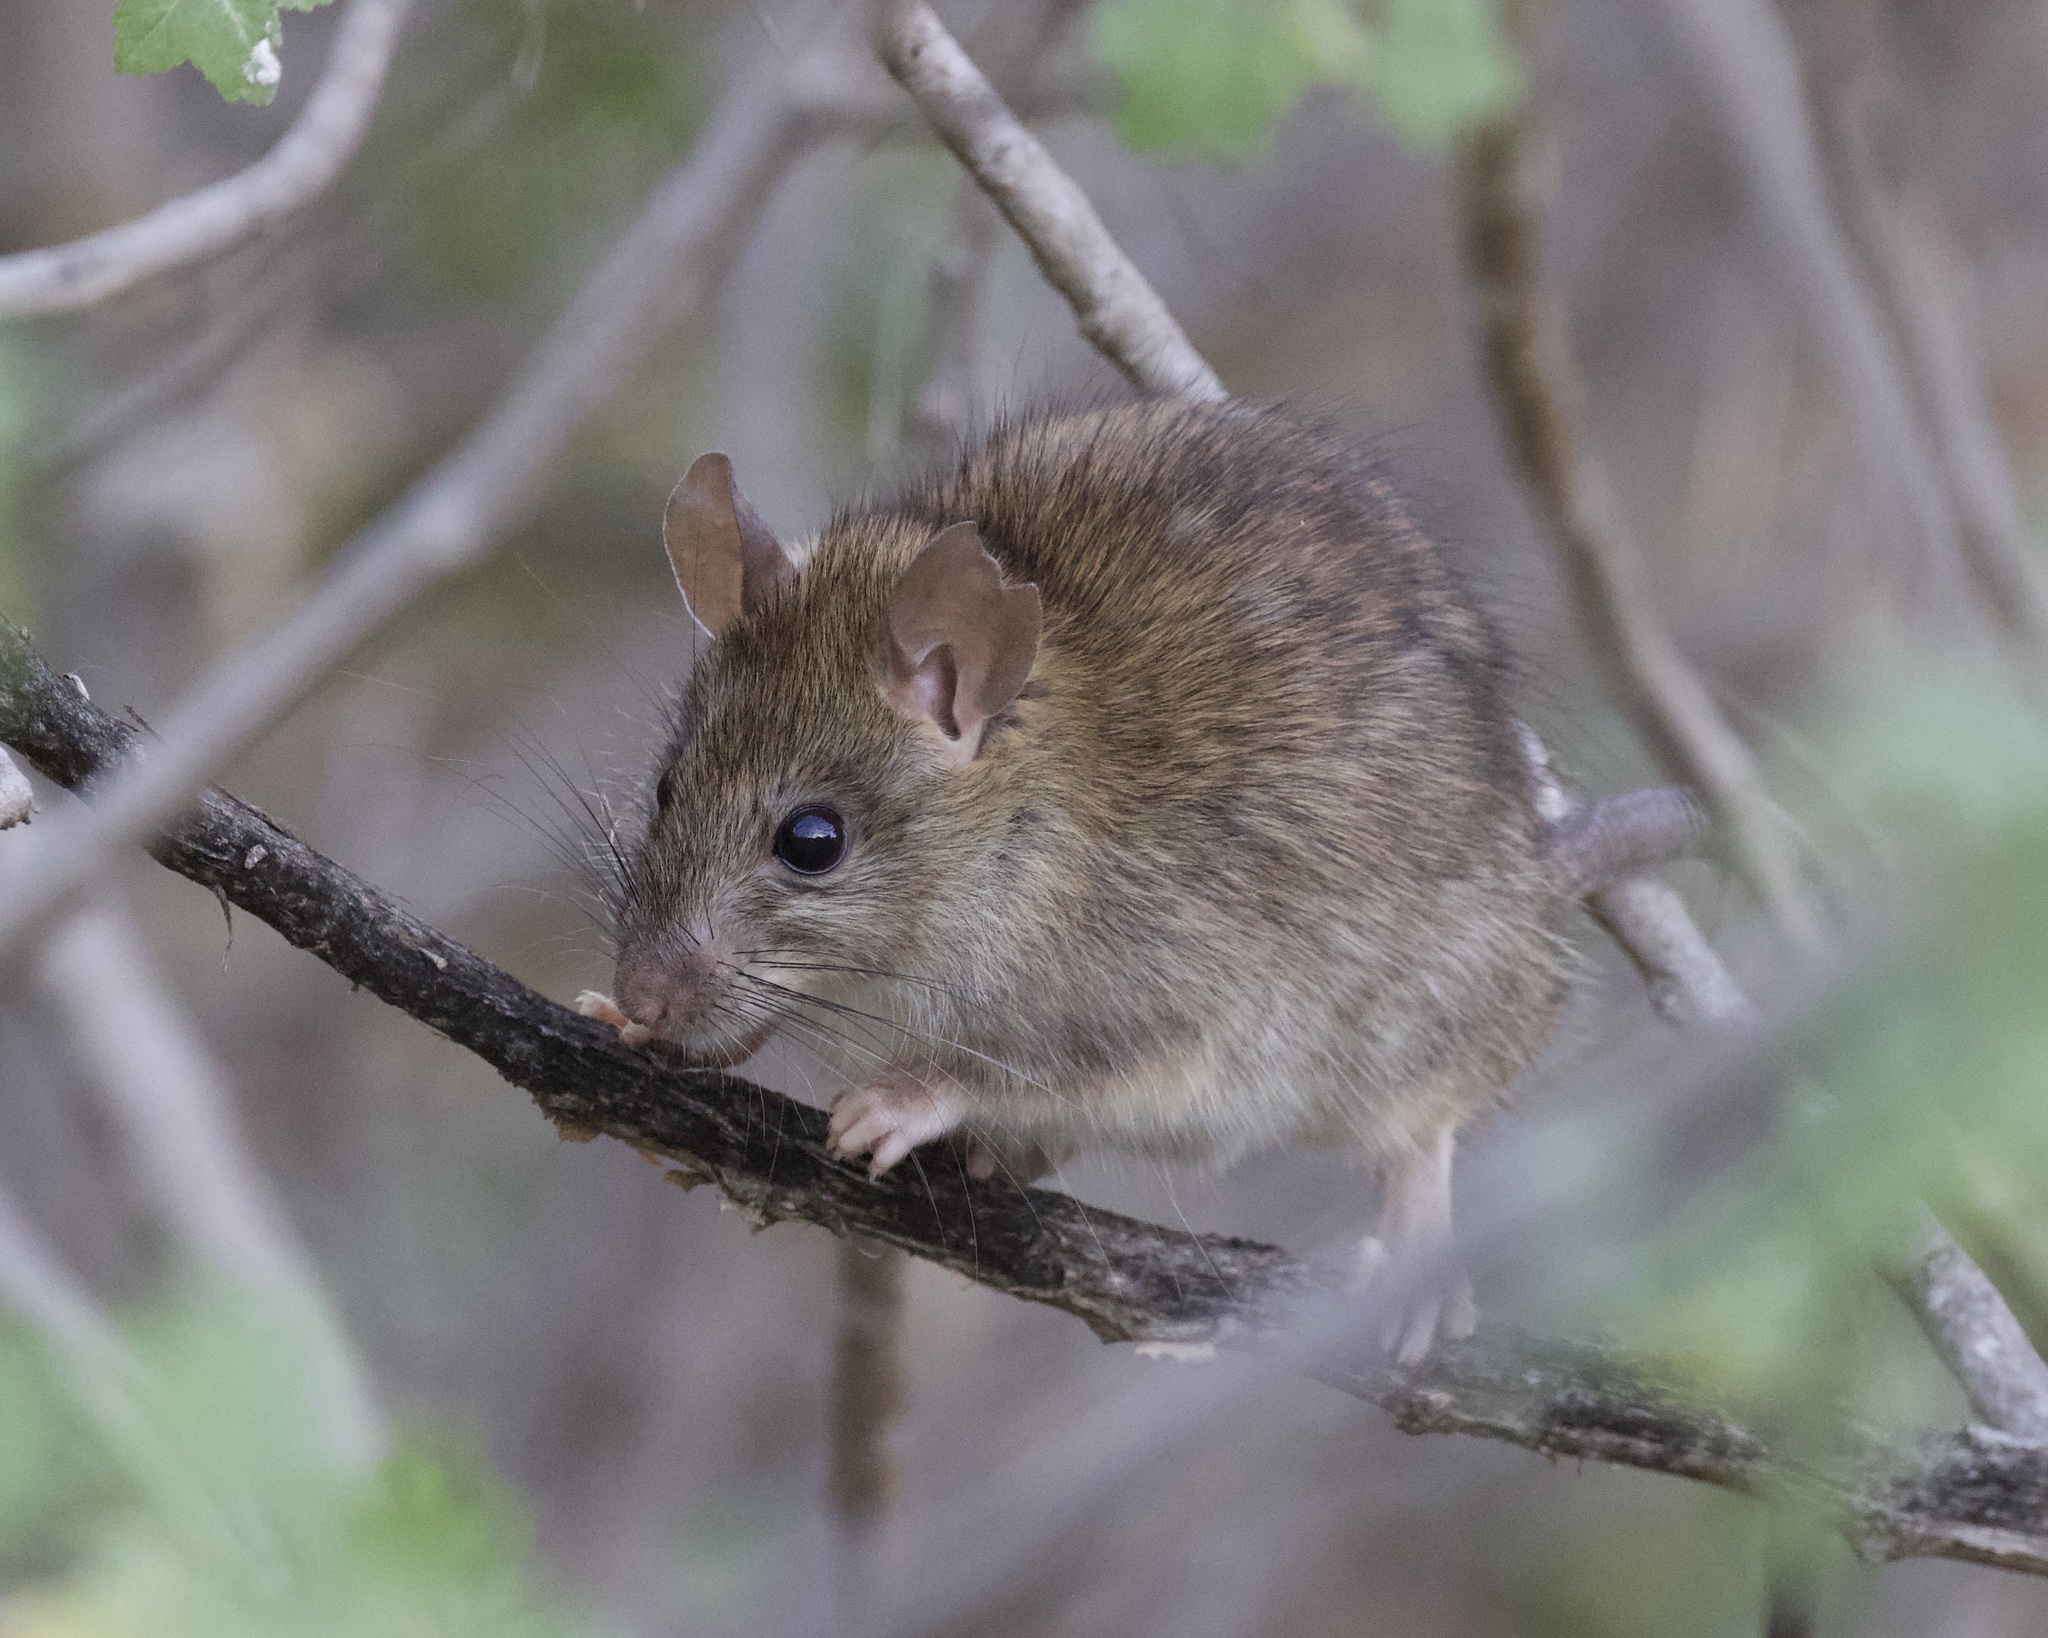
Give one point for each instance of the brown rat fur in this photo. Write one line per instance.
(1248, 860)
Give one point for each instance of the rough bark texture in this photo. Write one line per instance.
(1980, 1497)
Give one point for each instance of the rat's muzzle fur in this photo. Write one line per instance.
(686, 997)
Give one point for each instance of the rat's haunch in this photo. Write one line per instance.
(1147, 782)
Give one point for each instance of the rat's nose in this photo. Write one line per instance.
(645, 994)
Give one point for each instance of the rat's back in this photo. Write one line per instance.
(1267, 771)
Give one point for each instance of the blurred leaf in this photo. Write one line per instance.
(1210, 78)
(234, 43)
(1921, 1077)
(240, 1526)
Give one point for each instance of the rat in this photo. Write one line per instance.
(1145, 782)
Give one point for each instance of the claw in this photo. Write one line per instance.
(886, 1119)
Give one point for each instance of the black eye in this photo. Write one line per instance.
(664, 791)
(811, 840)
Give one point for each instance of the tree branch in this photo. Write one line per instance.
(693, 222)
(1538, 395)
(1130, 1281)
(1975, 1333)
(1116, 309)
(214, 220)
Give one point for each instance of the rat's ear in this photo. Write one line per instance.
(961, 643)
(726, 559)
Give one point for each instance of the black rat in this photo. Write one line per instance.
(1146, 782)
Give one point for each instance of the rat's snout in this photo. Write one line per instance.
(683, 994)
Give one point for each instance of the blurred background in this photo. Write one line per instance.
(610, 1398)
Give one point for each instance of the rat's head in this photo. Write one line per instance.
(800, 821)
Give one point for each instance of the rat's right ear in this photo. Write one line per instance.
(961, 642)
(726, 560)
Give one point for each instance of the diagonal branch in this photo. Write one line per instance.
(1976, 1334)
(208, 223)
(1129, 1280)
(1116, 309)
(693, 222)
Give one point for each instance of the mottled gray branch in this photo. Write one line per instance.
(1975, 1333)
(207, 224)
(695, 220)
(1687, 981)
(1117, 310)
(1622, 836)
(1130, 1281)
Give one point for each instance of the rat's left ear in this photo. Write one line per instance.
(727, 561)
(961, 642)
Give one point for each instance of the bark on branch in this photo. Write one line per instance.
(1952, 1496)
(207, 224)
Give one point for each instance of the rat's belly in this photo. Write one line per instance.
(1209, 1107)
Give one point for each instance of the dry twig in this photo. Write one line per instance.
(1116, 309)
(1976, 1334)
(207, 224)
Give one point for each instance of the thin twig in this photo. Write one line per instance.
(693, 223)
(169, 1097)
(1116, 309)
(1950, 1496)
(214, 220)
(1538, 394)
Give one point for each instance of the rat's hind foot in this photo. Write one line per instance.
(1416, 1306)
(1409, 1264)
(890, 1116)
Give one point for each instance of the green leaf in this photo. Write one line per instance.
(1210, 78)
(234, 43)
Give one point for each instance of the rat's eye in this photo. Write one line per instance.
(811, 840)
(665, 791)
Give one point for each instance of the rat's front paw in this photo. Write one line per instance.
(1418, 1301)
(890, 1116)
(596, 1004)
